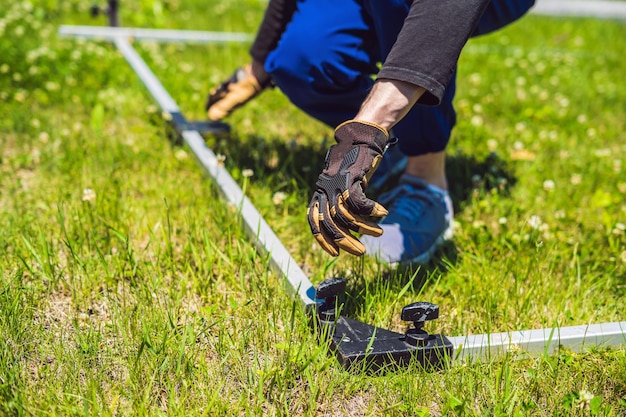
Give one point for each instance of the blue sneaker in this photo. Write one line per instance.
(392, 165)
(419, 220)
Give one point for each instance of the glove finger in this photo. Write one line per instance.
(238, 94)
(342, 237)
(240, 88)
(358, 203)
(221, 109)
(314, 216)
(219, 92)
(354, 221)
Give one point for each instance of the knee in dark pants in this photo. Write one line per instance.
(321, 80)
(307, 77)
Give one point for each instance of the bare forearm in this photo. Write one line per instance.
(388, 102)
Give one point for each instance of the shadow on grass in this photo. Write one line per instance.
(274, 159)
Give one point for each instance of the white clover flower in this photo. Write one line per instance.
(576, 179)
(535, 222)
(247, 173)
(540, 67)
(44, 137)
(475, 78)
(582, 118)
(52, 86)
(186, 67)
(89, 194)
(559, 214)
(503, 220)
(278, 198)
(4, 68)
(585, 396)
(31, 56)
(181, 155)
(220, 160)
(548, 185)
(478, 224)
(476, 120)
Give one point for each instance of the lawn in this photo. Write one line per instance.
(129, 287)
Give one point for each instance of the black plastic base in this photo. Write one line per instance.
(360, 345)
(203, 126)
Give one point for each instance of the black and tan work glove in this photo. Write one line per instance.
(233, 93)
(339, 205)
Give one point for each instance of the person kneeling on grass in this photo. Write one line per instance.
(322, 55)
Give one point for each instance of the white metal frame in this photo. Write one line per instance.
(601, 9)
(469, 347)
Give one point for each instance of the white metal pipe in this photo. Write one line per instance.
(576, 338)
(600, 9)
(160, 35)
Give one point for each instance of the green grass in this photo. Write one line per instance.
(128, 286)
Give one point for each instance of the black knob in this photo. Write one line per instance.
(328, 290)
(330, 287)
(419, 313)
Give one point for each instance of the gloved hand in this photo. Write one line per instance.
(339, 202)
(236, 91)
